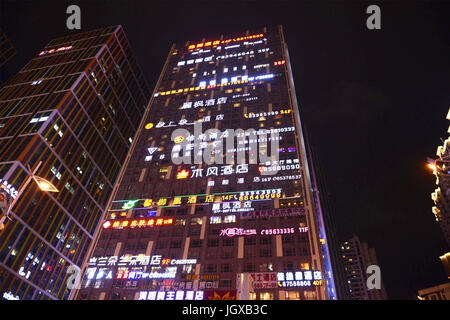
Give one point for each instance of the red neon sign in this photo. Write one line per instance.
(139, 223)
(279, 63)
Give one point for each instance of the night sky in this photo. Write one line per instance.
(374, 102)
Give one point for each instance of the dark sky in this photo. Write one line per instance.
(374, 102)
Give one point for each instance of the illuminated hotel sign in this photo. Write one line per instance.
(188, 295)
(270, 213)
(139, 260)
(137, 223)
(230, 207)
(204, 103)
(305, 278)
(231, 232)
(171, 295)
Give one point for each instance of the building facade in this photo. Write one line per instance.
(357, 257)
(190, 219)
(70, 115)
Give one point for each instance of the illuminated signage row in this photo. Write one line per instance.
(213, 84)
(125, 261)
(231, 232)
(126, 274)
(219, 42)
(133, 223)
(4, 185)
(271, 213)
(223, 57)
(206, 198)
(188, 295)
(183, 122)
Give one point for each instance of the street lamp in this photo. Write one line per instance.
(43, 184)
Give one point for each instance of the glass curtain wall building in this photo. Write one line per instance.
(222, 229)
(72, 113)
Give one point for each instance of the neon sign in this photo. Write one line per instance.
(276, 178)
(171, 295)
(305, 278)
(183, 122)
(183, 174)
(55, 50)
(121, 224)
(231, 232)
(129, 204)
(263, 280)
(279, 63)
(219, 42)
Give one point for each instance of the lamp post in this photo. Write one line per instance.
(43, 185)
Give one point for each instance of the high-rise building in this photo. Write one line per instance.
(69, 116)
(440, 196)
(357, 257)
(190, 219)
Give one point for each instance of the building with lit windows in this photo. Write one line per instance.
(182, 228)
(357, 256)
(441, 196)
(71, 113)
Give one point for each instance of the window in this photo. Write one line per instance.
(196, 243)
(175, 244)
(213, 242)
(249, 267)
(265, 253)
(292, 295)
(266, 296)
(226, 267)
(226, 283)
(289, 252)
(227, 242)
(211, 268)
